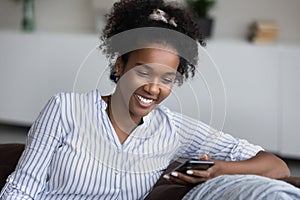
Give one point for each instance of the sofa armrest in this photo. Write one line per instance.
(9, 157)
(295, 181)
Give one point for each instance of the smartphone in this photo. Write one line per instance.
(194, 165)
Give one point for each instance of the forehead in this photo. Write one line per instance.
(154, 56)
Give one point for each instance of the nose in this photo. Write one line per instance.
(152, 88)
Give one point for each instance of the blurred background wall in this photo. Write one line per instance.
(232, 17)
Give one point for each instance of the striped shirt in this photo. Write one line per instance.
(73, 152)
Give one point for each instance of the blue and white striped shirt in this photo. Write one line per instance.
(72, 151)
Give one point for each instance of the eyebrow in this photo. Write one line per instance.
(145, 66)
(148, 67)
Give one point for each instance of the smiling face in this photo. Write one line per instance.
(147, 79)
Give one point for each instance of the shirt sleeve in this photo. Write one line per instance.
(198, 138)
(44, 136)
(223, 146)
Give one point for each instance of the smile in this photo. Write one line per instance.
(144, 101)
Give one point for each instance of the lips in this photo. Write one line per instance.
(143, 101)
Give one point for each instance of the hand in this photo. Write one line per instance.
(263, 164)
(193, 177)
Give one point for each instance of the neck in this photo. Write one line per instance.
(120, 116)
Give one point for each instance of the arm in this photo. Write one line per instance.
(231, 155)
(29, 178)
(263, 163)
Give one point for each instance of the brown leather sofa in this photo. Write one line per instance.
(164, 190)
(9, 156)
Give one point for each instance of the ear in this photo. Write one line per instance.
(119, 66)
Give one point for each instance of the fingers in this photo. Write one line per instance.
(194, 177)
(204, 157)
(199, 173)
(169, 177)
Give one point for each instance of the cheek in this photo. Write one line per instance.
(164, 93)
(134, 82)
(129, 83)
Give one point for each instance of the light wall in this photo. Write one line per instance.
(234, 16)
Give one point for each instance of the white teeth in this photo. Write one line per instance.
(144, 100)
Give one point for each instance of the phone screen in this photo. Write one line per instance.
(194, 165)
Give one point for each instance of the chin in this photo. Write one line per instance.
(141, 112)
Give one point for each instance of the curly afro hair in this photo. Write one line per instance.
(129, 15)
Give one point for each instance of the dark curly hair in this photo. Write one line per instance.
(129, 15)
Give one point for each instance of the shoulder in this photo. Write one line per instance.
(181, 120)
(74, 97)
(68, 103)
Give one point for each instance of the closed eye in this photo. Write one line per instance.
(167, 80)
(142, 73)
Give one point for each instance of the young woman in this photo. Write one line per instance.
(89, 146)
